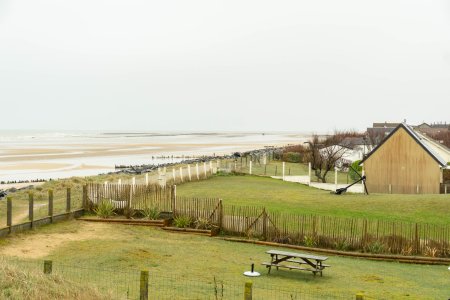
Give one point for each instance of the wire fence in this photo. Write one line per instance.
(127, 284)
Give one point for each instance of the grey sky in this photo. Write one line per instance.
(223, 65)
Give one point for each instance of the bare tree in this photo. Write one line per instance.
(325, 152)
(373, 138)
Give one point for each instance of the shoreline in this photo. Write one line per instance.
(19, 164)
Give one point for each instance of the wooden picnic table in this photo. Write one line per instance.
(297, 261)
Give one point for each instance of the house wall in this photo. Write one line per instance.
(402, 163)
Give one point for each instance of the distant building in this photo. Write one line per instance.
(433, 129)
(406, 162)
(350, 149)
(379, 131)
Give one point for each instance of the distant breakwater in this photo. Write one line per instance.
(145, 168)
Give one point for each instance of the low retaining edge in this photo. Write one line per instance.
(385, 257)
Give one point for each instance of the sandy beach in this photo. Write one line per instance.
(41, 157)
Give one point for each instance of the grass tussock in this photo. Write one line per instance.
(16, 283)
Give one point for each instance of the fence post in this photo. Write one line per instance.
(189, 173)
(416, 239)
(364, 237)
(309, 173)
(250, 168)
(335, 179)
(181, 174)
(196, 168)
(68, 199)
(284, 170)
(248, 290)
(130, 199)
(31, 208)
(359, 296)
(9, 212)
(85, 200)
(174, 175)
(143, 295)
(50, 205)
(220, 214)
(48, 266)
(264, 224)
(146, 178)
(174, 200)
(204, 169)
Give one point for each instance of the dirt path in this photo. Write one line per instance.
(40, 245)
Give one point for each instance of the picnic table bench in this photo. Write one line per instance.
(299, 261)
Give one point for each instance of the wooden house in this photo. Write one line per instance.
(406, 162)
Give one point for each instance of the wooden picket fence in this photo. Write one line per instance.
(374, 236)
(137, 197)
(200, 208)
(347, 234)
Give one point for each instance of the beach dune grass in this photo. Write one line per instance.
(19, 283)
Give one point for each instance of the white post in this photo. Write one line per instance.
(210, 167)
(106, 183)
(119, 182)
(265, 158)
(250, 168)
(309, 173)
(133, 183)
(284, 169)
(335, 179)
(204, 168)
(174, 175)
(189, 172)
(181, 173)
(198, 176)
(146, 178)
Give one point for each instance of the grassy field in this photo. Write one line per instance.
(184, 266)
(17, 283)
(274, 168)
(280, 196)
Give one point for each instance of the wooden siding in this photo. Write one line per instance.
(404, 165)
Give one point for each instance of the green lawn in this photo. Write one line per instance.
(275, 168)
(184, 266)
(280, 196)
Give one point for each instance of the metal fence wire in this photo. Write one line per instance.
(127, 284)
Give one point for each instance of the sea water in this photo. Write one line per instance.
(33, 154)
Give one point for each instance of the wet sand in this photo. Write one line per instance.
(73, 156)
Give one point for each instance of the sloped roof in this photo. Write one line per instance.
(421, 140)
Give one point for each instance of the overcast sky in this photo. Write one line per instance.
(223, 65)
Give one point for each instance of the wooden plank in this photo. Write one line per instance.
(294, 254)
